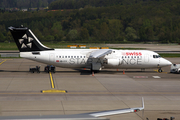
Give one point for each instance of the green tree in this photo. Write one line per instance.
(38, 34)
(9, 37)
(57, 31)
(146, 30)
(72, 35)
(2, 37)
(84, 34)
(104, 32)
(130, 33)
(115, 29)
(46, 32)
(49, 38)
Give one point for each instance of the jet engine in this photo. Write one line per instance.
(113, 62)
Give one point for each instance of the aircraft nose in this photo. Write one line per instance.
(164, 62)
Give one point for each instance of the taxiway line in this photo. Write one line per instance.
(52, 86)
(52, 82)
(2, 62)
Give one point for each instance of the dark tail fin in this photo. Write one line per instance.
(26, 41)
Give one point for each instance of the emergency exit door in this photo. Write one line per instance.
(51, 57)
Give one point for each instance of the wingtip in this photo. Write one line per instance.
(142, 102)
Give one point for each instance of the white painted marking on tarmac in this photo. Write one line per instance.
(140, 76)
(156, 77)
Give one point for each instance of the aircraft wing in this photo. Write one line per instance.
(119, 111)
(84, 116)
(100, 53)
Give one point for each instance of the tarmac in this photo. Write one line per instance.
(20, 91)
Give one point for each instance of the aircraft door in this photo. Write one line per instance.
(146, 58)
(51, 57)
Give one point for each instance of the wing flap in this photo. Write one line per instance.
(100, 53)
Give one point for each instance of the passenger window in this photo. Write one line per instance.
(71, 56)
(68, 56)
(77, 56)
(122, 57)
(62, 56)
(59, 56)
(65, 56)
(74, 56)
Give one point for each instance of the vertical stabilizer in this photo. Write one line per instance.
(26, 41)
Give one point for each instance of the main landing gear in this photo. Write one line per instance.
(49, 68)
(160, 70)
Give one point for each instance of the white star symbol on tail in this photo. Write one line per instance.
(29, 44)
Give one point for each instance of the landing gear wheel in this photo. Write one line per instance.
(160, 70)
(91, 69)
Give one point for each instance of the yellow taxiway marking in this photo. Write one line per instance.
(2, 62)
(52, 86)
(53, 91)
(159, 72)
(91, 93)
(52, 82)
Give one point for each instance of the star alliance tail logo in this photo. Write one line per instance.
(26, 42)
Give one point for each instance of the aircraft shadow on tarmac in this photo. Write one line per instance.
(12, 71)
(87, 72)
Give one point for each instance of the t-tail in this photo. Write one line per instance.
(26, 41)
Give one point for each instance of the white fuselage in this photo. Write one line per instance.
(80, 58)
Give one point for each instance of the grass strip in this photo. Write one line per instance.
(171, 55)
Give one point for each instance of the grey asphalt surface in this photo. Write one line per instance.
(20, 90)
(107, 90)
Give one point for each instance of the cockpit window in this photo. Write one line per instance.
(156, 56)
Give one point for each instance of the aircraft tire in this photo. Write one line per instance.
(160, 70)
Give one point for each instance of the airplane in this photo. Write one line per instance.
(83, 116)
(95, 59)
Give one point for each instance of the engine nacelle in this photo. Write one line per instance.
(113, 62)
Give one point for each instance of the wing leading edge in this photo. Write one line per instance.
(119, 111)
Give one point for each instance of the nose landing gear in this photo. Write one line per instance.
(159, 69)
